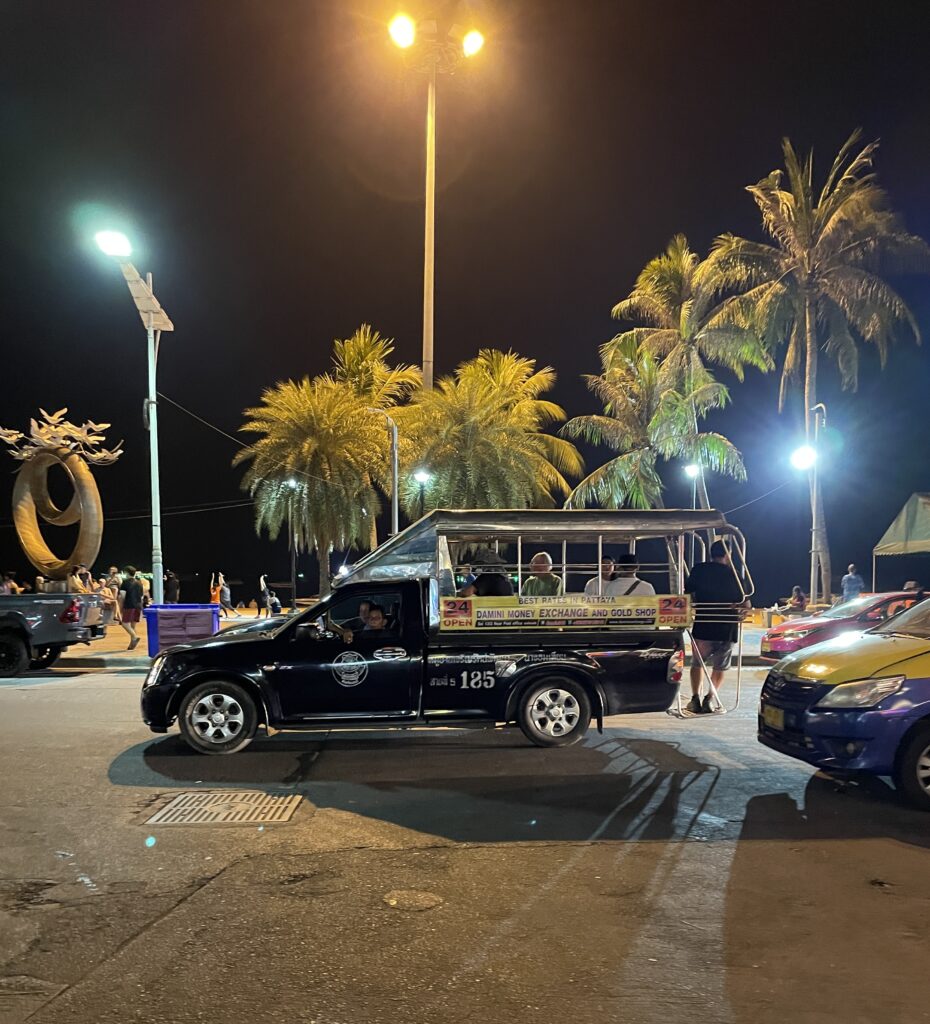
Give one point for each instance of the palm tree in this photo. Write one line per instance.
(821, 284)
(678, 301)
(648, 416)
(316, 465)
(361, 363)
(480, 434)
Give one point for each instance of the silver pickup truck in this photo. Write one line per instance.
(36, 628)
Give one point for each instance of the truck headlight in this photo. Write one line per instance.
(155, 671)
(864, 693)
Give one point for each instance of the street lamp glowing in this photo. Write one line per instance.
(692, 471)
(803, 457)
(403, 31)
(472, 42)
(422, 477)
(113, 243)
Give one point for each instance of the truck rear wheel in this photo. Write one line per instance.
(45, 657)
(555, 712)
(218, 717)
(912, 771)
(14, 655)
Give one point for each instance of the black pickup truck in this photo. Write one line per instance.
(373, 655)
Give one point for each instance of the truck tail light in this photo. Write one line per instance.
(676, 665)
(72, 613)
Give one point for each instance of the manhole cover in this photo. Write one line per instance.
(226, 808)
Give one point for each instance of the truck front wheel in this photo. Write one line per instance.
(14, 655)
(555, 712)
(912, 771)
(218, 718)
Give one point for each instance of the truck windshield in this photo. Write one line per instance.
(914, 622)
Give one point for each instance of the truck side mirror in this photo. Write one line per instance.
(307, 631)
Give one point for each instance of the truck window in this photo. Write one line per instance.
(375, 614)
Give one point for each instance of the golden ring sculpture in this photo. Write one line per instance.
(32, 501)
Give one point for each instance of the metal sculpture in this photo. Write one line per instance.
(56, 442)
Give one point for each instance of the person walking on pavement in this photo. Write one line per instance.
(225, 595)
(851, 584)
(719, 605)
(130, 605)
(172, 587)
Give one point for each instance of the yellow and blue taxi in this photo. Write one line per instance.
(859, 702)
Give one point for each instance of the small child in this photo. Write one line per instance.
(273, 603)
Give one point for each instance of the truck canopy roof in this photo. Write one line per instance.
(421, 550)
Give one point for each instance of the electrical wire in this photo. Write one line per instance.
(746, 504)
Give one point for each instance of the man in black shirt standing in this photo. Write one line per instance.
(718, 603)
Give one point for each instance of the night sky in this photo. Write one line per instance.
(266, 157)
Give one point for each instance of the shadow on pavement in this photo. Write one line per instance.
(493, 787)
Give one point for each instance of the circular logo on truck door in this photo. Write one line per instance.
(350, 668)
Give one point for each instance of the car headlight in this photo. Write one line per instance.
(796, 634)
(864, 693)
(155, 671)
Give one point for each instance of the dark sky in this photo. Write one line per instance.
(266, 157)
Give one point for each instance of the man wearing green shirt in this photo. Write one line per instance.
(542, 581)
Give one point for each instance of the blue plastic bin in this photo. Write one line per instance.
(170, 624)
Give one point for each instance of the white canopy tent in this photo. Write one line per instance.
(909, 534)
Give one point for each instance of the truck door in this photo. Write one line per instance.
(365, 662)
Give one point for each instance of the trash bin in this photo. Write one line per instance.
(170, 624)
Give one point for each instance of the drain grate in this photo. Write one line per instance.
(226, 808)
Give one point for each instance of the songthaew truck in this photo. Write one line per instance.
(434, 628)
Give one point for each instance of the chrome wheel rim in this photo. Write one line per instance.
(923, 769)
(554, 712)
(217, 717)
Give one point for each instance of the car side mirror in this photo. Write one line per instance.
(307, 631)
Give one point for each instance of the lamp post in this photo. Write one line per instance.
(692, 471)
(432, 54)
(116, 245)
(422, 477)
(805, 459)
(293, 485)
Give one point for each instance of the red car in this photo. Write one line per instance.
(861, 613)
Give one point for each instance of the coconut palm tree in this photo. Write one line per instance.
(316, 465)
(820, 285)
(361, 363)
(648, 417)
(480, 434)
(678, 302)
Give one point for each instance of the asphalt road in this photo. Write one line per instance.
(664, 870)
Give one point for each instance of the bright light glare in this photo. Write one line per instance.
(403, 31)
(472, 43)
(803, 457)
(113, 243)
(692, 470)
(422, 477)
(292, 483)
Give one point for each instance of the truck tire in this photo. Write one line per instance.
(912, 770)
(14, 655)
(218, 717)
(45, 657)
(554, 712)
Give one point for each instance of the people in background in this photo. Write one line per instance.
(795, 604)
(274, 603)
(130, 605)
(592, 588)
(719, 605)
(490, 581)
(172, 587)
(40, 584)
(6, 584)
(626, 583)
(110, 598)
(220, 594)
(542, 581)
(75, 583)
(851, 584)
(84, 575)
(114, 576)
(264, 599)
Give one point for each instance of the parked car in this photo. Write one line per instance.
(859, 702)
(795, 634)
(36, 628)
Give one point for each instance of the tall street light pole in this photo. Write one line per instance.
(293, 485)
(820, 417)
(395, 506)
(692, 471)
(116, 245)
(805, 458)
(433, 54)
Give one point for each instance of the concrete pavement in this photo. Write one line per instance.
(662, 870)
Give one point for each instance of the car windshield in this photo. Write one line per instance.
(914, 622)
(848, 609)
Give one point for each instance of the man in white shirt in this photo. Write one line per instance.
(607, 572)
(627, 583)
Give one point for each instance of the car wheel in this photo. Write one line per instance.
(912, 771)
(218, 717)
(555, 712)
(45, 657)
(14, 656)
